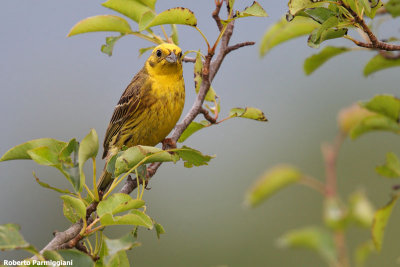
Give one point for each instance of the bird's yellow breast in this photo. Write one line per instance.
(169, 94)
(162, 106)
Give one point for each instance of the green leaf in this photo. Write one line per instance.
(146, 18)
(174, 34)
(70, 213)
(145, 49)
(149, 3)
(372, 7)
(73, 208)
(386, 109)
(131, 8)
(21, 151)
(248, 113)
(312, 238)
(124, 243)
(135, 217)
(364, 4)
(108, 47)
(198, 79)
(271, 182)
(159, 229)
(111, 163)
(88, 149)
(362, 252)
(353, 6)
(78, 258)
(119, 259)
(177, 15)
(44, 156)
(191, 129)
(391, 168)
(132, 156)
(52, 255)
(298, 5)
(114, 246)
(192, 157)
(319, 14)
(327, 35)
(73, 176)
(283, 31)
(315, 61)
(376, 122)
(68, 165)
(58, 158)
(10, 238)
(386, 105)
(378, 63)
(231, 4)
(361, 209)
(326, 32)
(101, 23)
(351, 116)
(67, 150)
(393, 7)
(255, 10)
(381, 219)
(117, 203)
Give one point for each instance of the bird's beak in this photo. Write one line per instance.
(171, 58)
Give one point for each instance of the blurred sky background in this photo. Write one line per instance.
(53, 86)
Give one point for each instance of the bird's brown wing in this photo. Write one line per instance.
(128, 103)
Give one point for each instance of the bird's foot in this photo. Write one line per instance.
(168, 143)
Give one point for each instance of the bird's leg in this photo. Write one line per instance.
(168, 143)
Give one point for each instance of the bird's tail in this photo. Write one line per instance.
(104, 181)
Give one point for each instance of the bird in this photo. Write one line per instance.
(149, 108)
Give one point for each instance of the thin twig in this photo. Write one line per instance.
(340, 241)
(313, 183)
(331, 153)
(215, 14)
(216, 64)
(377, 46)
(237, 46)
(189, 59)
(375, 43)
(207, 115)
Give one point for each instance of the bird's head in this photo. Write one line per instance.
(165, 59)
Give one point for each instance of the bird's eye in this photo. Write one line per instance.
(158, 53)
(180, 54)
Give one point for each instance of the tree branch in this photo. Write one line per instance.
(189, 59)
(207, 116)
(375, 43)
(377, 46)
(237, 46)
(62, 239)
(70, 237)
(215, 14)
(330, 153)
(222, 50)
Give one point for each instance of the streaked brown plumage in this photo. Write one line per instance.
(150, 106)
